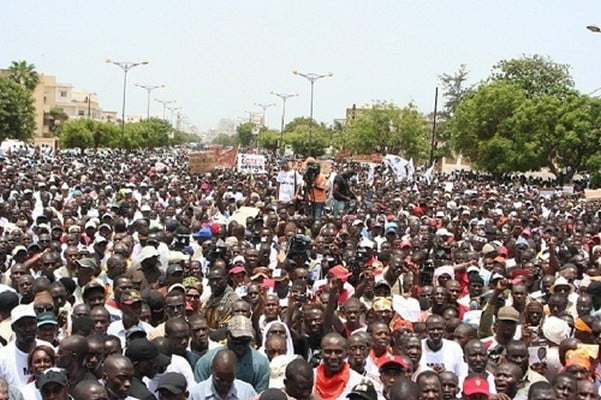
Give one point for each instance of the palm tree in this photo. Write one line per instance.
(24, 74)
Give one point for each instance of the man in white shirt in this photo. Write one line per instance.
(441, 354)
(13, 357)
(289, 183)
(131, 308)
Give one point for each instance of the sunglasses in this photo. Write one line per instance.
(43, 309)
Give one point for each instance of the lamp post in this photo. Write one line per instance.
(149, 88)
(89, 100)
(164, 103)
(264, 107)
(284, 97)
(312, 78)
(125, 66)
(173, 109)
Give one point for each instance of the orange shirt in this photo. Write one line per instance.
(318, 191)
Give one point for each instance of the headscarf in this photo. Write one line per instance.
(556, 329)
(289, 343)
(579, 357)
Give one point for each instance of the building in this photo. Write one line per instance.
(56, 102)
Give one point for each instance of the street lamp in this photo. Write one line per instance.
(284, 97)
(173, 109)
(312, 77)
(164, 103)
(594, 28)
(149, 88)
(125, 66)
(89, 99)
(264, 107)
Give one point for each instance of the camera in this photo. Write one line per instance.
(299, 246)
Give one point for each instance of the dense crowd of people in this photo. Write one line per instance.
(125, 277)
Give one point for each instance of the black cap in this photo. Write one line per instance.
(51, 376)
(273, 394)
(173, 382)
(144, 350)
(364, 390)
(594, 289)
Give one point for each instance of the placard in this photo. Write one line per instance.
(251, 163)
(325, 167)
(201, 162)
(592, 194)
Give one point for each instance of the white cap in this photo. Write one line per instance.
(366, 243)
(18, 249)
(22, 311)
(148, 252)
(145, 207)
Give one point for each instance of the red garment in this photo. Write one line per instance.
(330, 388)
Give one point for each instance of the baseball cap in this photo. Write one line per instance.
(88, 262)
(392, 360)
(145, 208)
(47, 318)
(475, 385)
(508, 313)
(52, 375)
(240, 327)
(18, 249)
(93, 285)
(148, 252)
(143, 350)
(364, 390)
(173, 382)
(22, 311)
(203, 233)
(339, 272)
(237, 269)
(131, 296)
(173, 269)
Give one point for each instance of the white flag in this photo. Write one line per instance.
(428, 174)
(410, 169)
(397, 164)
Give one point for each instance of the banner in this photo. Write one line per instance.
(251, 163)
(592, 194)
(226, 158)
(201, 162)
(325, 167)
(375, 158)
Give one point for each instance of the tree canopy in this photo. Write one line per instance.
(527, 116)
(16, 111)
(384, 126)
(24, 74)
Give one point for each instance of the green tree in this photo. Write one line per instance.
(245, 133)
(537, 75)
(24, 74)
(402, 131)
(57, 117)
(147, 133)
(225, 140)
(307, 137)
(269, 140)
(481, 128)
(454, 89)
(78, 133)
(16, 111)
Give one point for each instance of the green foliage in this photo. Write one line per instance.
(269, 140)
(183, 137)
(57, 117)
(537, 75)
(87, 133)
(402, 131)
(16, 111)
(225, 140)
(454, 90)
(307, 137)
(245, 135)
(24, 74)
(78, 133)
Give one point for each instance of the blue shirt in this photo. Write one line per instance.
(252, 368)
(205, 390)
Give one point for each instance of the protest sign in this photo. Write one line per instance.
(251, 163)
(325, 167)
(201, 162)
(592, 194)
(226, 158)
(243, 213)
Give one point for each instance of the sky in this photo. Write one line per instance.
(218, 58)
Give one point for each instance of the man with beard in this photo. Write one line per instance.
(251, 366)
(145, 358)
(71, 356)
(13, 357)
(334, 378)
(217, 308)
